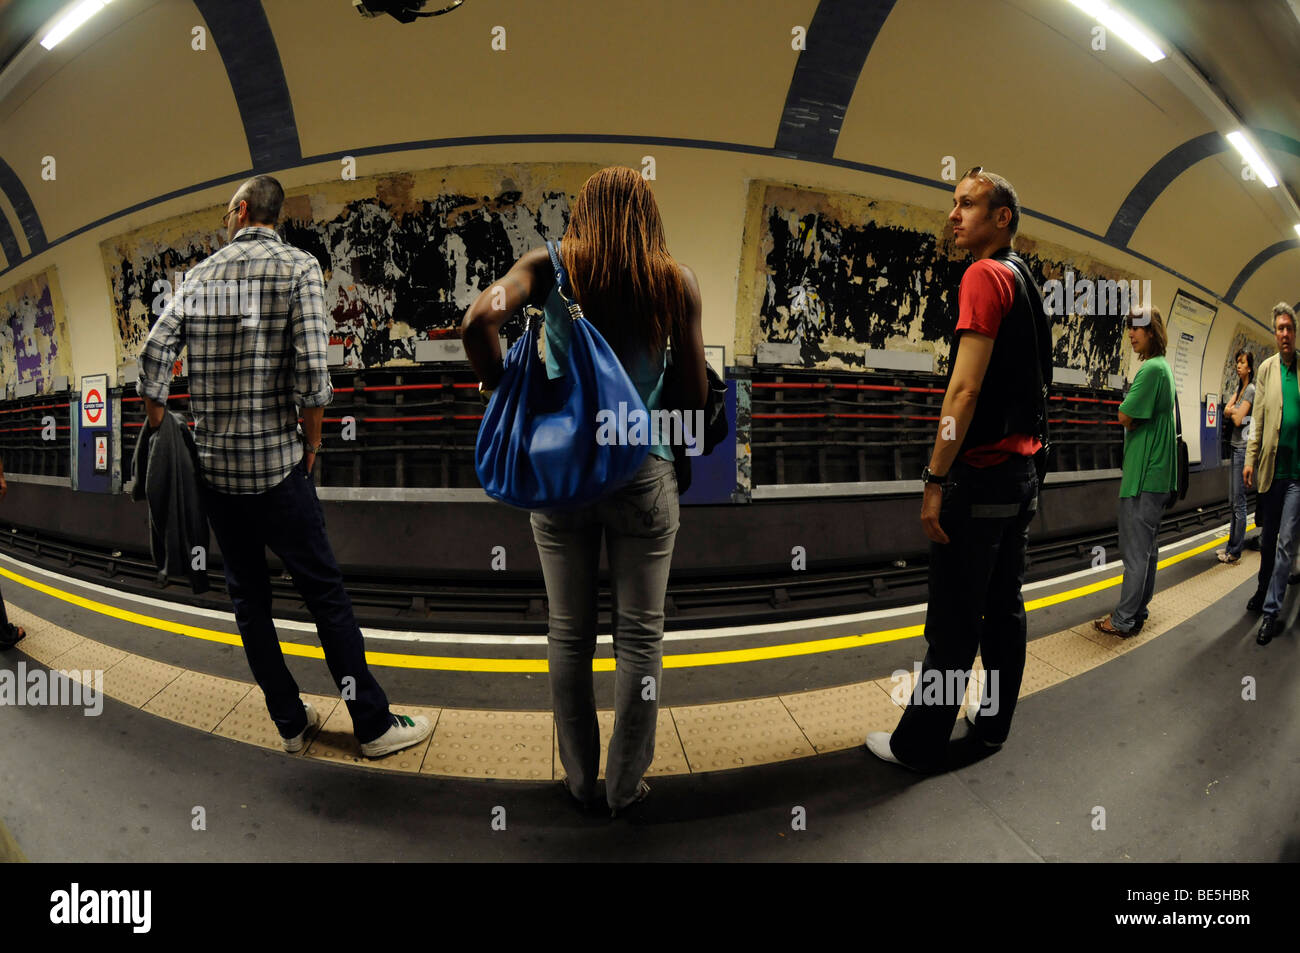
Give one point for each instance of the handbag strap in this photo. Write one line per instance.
(1178, 413)
(575, 309)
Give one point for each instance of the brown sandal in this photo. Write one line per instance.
(1104, 625)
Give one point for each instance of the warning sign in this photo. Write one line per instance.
(101, 453)
(94, 402)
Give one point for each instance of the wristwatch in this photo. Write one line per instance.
(309, 447)
(928, 477)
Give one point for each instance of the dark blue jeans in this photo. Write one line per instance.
(288, 520)
(1277, 512)
(975, 605)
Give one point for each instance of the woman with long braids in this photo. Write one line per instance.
(639, 298)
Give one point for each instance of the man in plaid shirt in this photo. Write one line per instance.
(253, 318)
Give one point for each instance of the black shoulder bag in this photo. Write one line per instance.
(716, 426)
(1184, 467)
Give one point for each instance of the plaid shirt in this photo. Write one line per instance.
(253, 318)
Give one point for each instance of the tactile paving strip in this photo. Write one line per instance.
(1070, 652)
(1039, 675)
(136, 679)
(514, 745)
(336, 743)
(521, 745)
(737, 734)
(88, 657)
(836, 718)
(200, 701)
(669, 756)
(250, 722)
(45, 641)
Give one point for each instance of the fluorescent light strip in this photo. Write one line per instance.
(74, 18)
(1119, 23)
(1251, 155)
(1297, 229)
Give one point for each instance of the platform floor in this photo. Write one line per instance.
(1159, 737)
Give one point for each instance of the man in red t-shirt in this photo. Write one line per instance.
(981, 491)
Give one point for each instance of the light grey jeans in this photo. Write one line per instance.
(639, 523)
(1139, 524)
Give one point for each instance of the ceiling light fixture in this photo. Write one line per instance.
(1122, 26)
(1251, 155)
(74, 18)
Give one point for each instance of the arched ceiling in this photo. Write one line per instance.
(1099, 141)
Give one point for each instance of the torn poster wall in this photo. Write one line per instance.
(403, 255)
(840, 274)
(33, 334)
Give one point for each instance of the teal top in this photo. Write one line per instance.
(647, 373)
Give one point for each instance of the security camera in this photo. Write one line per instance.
(405, 11)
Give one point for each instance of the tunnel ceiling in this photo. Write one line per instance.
(1103, 139)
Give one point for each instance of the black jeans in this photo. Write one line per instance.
(288, 519)
(4, 621)
(975, 604)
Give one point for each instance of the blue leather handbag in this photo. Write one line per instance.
(537, 446)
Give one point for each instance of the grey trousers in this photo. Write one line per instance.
(639, 524)
(1139, 524)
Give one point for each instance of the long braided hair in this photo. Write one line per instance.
(629, 287)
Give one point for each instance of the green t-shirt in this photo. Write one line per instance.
(1288, 466)
(1150, 448)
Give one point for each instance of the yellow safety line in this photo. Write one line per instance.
(444, 663)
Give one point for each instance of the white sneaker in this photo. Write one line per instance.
(878, 744)
(294, 745)
(971, 711)
(404, 732)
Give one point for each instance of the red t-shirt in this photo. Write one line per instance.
(988, 292)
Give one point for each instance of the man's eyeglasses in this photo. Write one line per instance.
(975, 171)
(229, 212)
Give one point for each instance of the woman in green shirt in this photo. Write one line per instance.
(1150, 472)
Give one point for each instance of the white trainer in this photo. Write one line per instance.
(878, 744)
(971, 711)
(404, 732)
(294, 745)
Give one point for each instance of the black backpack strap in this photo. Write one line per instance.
(1042, 336)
